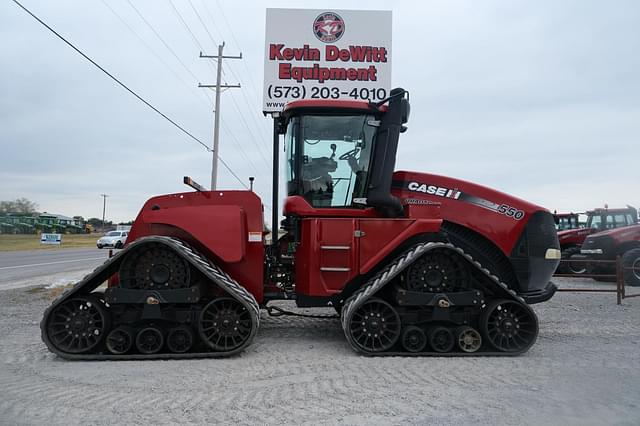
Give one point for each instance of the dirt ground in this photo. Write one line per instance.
(584, 369)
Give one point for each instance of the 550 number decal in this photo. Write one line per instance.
(510, 211)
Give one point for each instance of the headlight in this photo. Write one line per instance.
(591, 251)
(553, 253)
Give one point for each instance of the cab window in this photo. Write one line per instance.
(329, 158)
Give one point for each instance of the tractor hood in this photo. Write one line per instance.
(570, 233)
(621, 233)
(468, 204)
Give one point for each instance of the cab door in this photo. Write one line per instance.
(328, 256)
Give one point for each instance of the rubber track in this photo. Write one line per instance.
(204, 265)
(391, 271)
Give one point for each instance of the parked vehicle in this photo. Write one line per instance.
(415, 263)
(115, 239)
(597, 220)
(607, 245)
(565, 221)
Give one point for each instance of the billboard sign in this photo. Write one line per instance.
(326, 54)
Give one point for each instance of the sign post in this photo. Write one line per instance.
(326, 54)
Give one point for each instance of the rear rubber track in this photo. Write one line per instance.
(216, 275)
(393, 270)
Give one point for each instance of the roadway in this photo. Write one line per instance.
(21, 266)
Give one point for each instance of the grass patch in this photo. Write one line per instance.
(10, 242)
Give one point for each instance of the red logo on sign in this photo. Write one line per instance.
(328, 27)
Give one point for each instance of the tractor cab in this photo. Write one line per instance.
(341, 154)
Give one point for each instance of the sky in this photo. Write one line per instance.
(537, 99)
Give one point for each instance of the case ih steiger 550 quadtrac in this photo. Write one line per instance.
(414, 263)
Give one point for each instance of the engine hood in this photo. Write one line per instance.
(619, 232)
(499, 216)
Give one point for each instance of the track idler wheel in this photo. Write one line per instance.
(509, 326)
(441, 339)
(468, 339)
(149, 340)
(413, 339)
(78, 325)
(120, 340)
(225, 324)
(180, 339)
(375, 326)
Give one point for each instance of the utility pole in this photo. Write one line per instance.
(216, 123)
(104, 207)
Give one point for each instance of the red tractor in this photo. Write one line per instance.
(565, 221)
(597, 220)
(414, 263)
(607, 245)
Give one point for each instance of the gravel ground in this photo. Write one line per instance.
(584, 369)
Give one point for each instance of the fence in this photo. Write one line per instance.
(617, 276)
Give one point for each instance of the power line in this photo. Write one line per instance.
(111, 76)
(252, 86)
(215, 43)
(140, 98)
(158, 57)
(175, 55)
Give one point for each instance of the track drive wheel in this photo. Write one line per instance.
(375, 326)
(225, 324)
(78, 325)
(441, 339)
(180, 339)
(437, 271)
(413, 339)
(509, 326)
(154, 266)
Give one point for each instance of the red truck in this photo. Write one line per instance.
(597, 220)
(607, 245)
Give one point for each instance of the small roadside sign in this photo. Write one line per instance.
(51, 239)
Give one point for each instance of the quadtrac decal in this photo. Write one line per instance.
(456, 194)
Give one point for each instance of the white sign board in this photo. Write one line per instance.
(326, 54)
(51, 239)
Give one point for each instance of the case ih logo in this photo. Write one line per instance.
(328, 27)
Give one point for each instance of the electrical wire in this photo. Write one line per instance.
(166, 45)
(201, 95)
(215, 43)
(140, 98)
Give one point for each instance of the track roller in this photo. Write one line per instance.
(413, 339)
(468, 339)
(120, 340)
(180, 339)
(441, 339)
(149, 340)
(78, 324)
(509, 326)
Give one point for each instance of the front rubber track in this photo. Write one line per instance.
(195, 259)
(400, 264)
